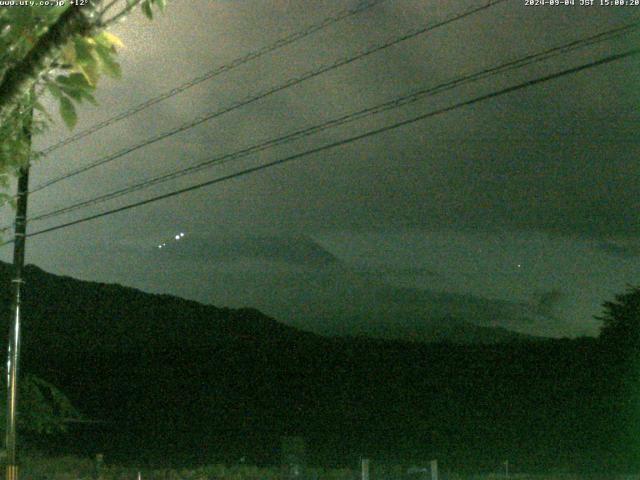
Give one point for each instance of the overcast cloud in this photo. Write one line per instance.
(521, 211)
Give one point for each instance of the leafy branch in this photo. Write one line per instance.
(62, 51)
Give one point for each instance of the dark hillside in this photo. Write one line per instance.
(172, 380)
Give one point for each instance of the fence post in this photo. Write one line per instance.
(364, 467)
(98, 466)
(434, 469)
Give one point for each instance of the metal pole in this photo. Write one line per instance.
(14, 333)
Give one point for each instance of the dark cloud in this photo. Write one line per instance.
(341, 308)
(545, 303)
(558, 158)
(211, 249)
(400, 271)
(294, 250)
(619, 249)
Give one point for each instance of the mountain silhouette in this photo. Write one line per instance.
(169, 380)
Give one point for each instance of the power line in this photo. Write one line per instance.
(395, 103)
(287, 84)
(370, 133)
(280, 43)
(379, 108)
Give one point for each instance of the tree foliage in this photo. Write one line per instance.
(620, 373)
(62, 51)
(44, 409)
(621, 320)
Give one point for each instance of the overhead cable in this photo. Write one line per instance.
(398, 102)
(252, 99)
(280, 43)
(345, 141)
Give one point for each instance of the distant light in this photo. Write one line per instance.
(177, 237)
(159, 246)
(519, 265)
(181, 234)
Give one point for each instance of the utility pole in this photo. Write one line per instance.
(14, 332)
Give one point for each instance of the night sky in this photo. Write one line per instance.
(520, 211)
